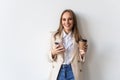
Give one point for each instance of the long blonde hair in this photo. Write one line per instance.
(75, 30)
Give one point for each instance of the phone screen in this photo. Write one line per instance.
(56, 43)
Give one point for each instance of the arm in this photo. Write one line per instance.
(51, 56)
(55, 49)
(82, 55)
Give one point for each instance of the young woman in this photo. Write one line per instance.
(65, 55)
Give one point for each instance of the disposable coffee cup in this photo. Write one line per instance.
(82, 44)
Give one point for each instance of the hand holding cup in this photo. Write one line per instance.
(58, 48)
(83, 46)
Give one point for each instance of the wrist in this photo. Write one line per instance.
(53, 53)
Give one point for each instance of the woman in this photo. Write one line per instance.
(65, 55)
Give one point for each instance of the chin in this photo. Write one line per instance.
(68, 28)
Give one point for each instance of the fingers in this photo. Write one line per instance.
(85, 48)
(60, 49)
(82, 52)
(56, 46)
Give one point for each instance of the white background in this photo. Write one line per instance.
(25, 27)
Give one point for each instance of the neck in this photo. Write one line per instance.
(67, 31)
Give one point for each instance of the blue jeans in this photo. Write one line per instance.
(65, 73)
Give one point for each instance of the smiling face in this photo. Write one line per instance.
(67, 22)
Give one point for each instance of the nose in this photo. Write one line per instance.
(67, 21)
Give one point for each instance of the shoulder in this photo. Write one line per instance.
(52, 33)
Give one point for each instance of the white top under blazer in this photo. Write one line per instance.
(68, 44)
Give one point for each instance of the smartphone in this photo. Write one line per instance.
(56, 43)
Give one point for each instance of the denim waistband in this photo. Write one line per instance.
(65, 65)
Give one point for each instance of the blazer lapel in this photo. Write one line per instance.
(75, 48)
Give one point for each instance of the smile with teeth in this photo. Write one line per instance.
(67, 25)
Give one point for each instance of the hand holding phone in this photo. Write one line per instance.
(57, 44)
(58, 48)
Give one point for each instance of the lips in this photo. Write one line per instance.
(67, 25)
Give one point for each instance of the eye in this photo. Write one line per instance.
(64, 19)
(70, 18)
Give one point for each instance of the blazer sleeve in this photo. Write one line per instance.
(50, 56)
(81, 57)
